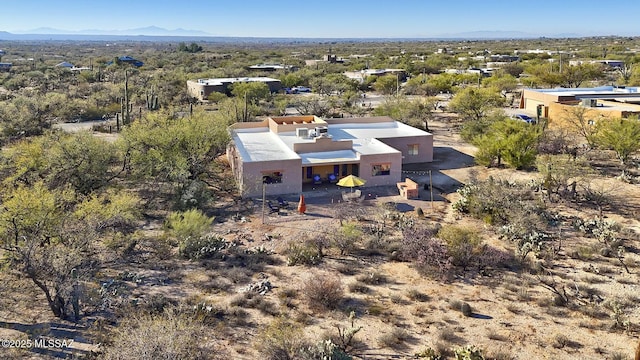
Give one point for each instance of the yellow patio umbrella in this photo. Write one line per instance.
(351, 181)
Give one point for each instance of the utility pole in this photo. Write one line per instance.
(246, 108)
(431, 189)
(264, 200)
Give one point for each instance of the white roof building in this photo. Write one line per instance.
(297, 149)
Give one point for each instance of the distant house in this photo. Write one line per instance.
(599, 103)
(5, 66)
(202, 88)
(128, 60)
(613, 64)
(363, 74)
(65, 64)
(270, 67)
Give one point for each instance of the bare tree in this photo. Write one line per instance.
(580, 120)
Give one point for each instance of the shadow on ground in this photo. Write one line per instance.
(68, 340)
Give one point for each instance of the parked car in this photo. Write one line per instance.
(526, 118)
(301, 89)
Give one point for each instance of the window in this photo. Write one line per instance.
(413, 149)
(271, 177)
(381, 169)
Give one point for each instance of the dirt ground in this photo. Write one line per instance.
(512, 315)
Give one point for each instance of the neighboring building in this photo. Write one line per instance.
(328, 58)
(72, 67)
(270, 67)
(614, 64)
(5, 66)
(128, 60)
(363, 74)
(486, 72)
(603, 102)
(287, 152)
(65, 64)
(503, 58)
(202, 88)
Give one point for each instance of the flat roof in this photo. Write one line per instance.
(379, 130)
(260, 144)
(602, 90)
(327, 157)
(220, 81)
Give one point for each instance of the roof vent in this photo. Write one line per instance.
(321, 130)
(302, 132)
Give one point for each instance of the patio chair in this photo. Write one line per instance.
(333, 178)
(273, 208)
(282, 203)
(317, 179)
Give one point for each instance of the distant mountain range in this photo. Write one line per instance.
(154, 33)
(144, 31)
(485, 35)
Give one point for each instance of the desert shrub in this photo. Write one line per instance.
(394, 338)
(560, 341)
(302, 254)
(500, 202)
(397, 299)
(428, 254)
(157, 304)
(323, 291)
(324, 350)
(618, 356)
(416, 295)
(469, 352)
(280, 340)
(462, 244)
(526, 240)
(150, 337)
(345, 339)
(347, 269)
(429, 354)
(372, 278)
(465, 309)
(188, 224)
(359, 287)
(447, 334)
(252, 300)
(203, 247)
(345, 238)
(455, 304)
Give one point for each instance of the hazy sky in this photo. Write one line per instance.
(328, 18)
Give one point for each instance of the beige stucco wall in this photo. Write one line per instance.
(201, 91)
(251, 180)
(425, 148)
(321, 144)
(558, 114)
(281, 124)
(366, 165)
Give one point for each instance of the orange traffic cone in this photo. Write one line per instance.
(302, 208)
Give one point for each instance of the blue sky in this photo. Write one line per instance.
(329, 18)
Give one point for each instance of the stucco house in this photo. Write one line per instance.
(283, 153)
(599, 102)
(202, 88)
